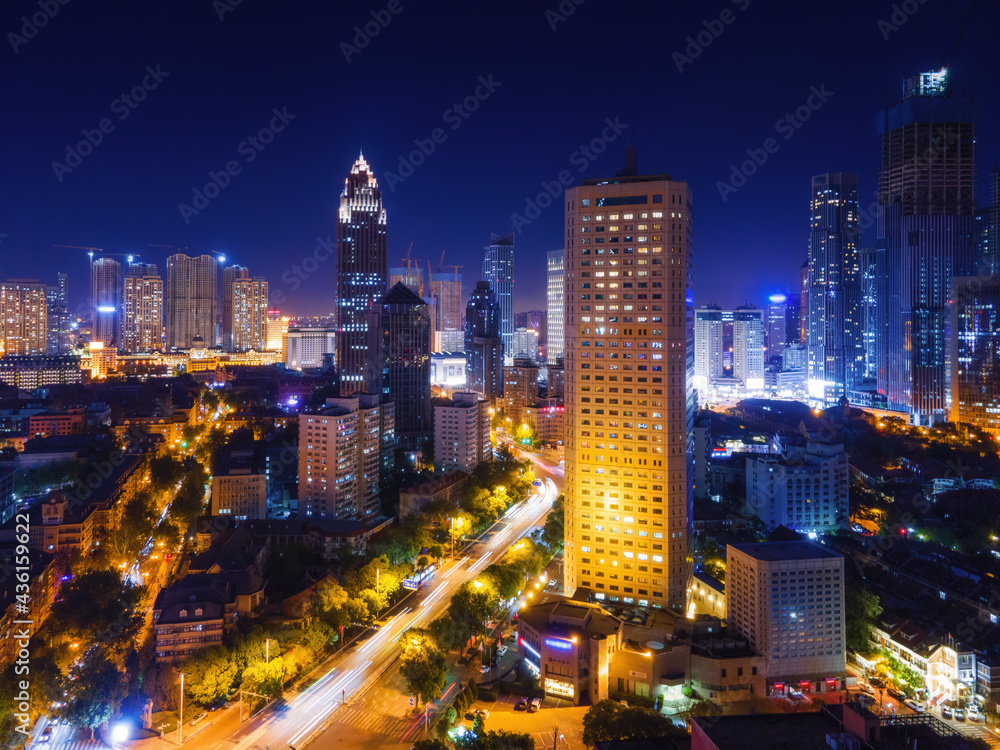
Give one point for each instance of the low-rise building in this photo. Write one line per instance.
(63, 422)
(447, 488)
(461, 432)
(239, 482)
(708, 595)
(193, 613)
(17, 624)
(548, 418)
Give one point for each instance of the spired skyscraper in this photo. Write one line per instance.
(925, 237)
(835, 351)
(498, 270)
(629, 398)
(361, 276)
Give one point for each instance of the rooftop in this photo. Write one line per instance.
(785, 551)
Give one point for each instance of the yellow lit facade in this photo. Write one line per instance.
(629, 404)
(24, 316)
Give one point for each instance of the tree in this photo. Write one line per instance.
(607, 721)
(429, 745)
(319, 636)
(862, 609)
(449, 633)
(137, 524)
(553, 531)
(96, 692)
(98, 606)
(422, 664)
(211, 674)
(265, 678)
(474, 602)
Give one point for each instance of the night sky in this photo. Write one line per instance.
(217, 82)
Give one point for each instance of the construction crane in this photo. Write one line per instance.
(456, 270)
(178, 248)
(441, 261)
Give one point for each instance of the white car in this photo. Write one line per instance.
(483, 712)
(972, 712)
(914, 705)
(484, 669)
(502, 651)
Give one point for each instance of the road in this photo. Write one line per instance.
(345, 702)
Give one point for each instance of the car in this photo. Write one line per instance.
(959, 714)
(877, 682)
(551, 583)
(865, 687)
(502, 651)
(54, 720)
(513, 636)
(919, 708)
(946, 712)
(199, 718)
(537, 483)
(521, 705)
(46, 735)
(972, 712)
(484, 712)
(534, 705)
(896, 695)
(484, 669)
(624, 704)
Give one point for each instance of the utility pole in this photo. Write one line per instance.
(180, 725)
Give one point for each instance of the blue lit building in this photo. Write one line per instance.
(483, 346)
(498, 270)
(361, 275)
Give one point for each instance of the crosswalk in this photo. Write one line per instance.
(72, 744)
(371, 721)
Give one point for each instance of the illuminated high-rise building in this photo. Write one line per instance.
(105, 294)
(836, 353)
(141, 310)
(57, 297)
(708, 361)
(446, 289)
(230, 274)
(277, 331)
(401, 334)
(24, 317)
(361, 275)
(988, 229)
(925, 237)
(748, 347)
(804, 303)
(483, 345)
(249, 316)
(498, 270)
(555, 298)
(974, 356)
(190, 300)
(629, 399)
(777, 324)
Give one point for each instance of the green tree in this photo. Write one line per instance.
(98, 607)
(608, 721)
(422, 664)
(862, 608)
(474, 602)
(449, 633)
(96, 692)
(553, 531)
(429, 745)
(263, 677)
(211, 675)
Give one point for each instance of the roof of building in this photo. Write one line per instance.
(400, 294)
(211, 594)
(785, 551)
(801, 731)
(558, 615)
(237, 553)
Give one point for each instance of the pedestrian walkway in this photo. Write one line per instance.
(371, 721)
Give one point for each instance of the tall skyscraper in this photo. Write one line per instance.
(57, 297)
(555, 336)
(24, 317)
(869, 316)
(804, 303)
(447, 290)
(361, 275)
(483, 345)
(748, 347)
(190, 302)
(835, 351)
(105, 294)
(925, 237)
(988, 229)
(401, 333)
(975, 351)
(708, 362)
(230, 274)
(629, 368)
(141, 309)
(498, 270)
(793, 319)
(249, 314)
(777, 324)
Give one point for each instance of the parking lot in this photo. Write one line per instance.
(554, 716)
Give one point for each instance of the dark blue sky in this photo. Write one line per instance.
(556, 88)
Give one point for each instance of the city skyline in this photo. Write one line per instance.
(291, 244)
